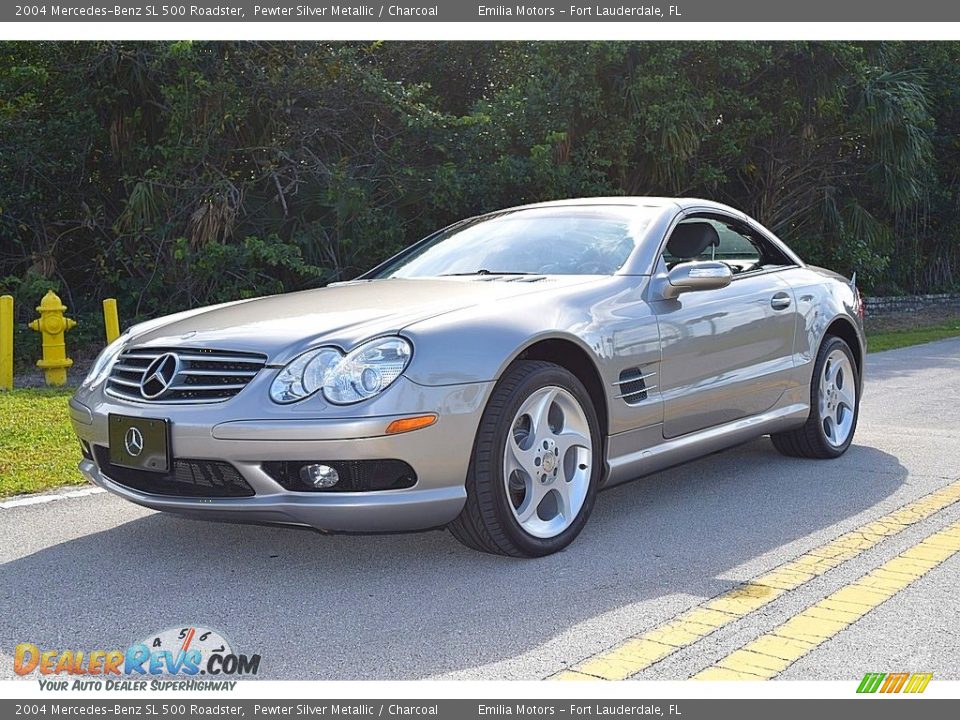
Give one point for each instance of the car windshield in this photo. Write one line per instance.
(566, 240)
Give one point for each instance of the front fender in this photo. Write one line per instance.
(823, 298)
(472, 349)
(476, 344)
(610, 321)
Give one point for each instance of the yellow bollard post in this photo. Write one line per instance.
(52, 325)
(6, 342)
(111, 320)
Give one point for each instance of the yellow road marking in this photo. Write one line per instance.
(573, 675)
(772, 653)
(639, 652)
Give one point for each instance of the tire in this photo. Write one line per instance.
(532, 497)
(823, 435)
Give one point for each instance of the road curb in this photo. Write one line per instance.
(51, 496)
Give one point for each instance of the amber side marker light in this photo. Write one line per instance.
(411, 423)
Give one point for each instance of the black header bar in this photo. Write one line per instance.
(738, 11)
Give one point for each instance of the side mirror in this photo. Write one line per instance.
(697, 275)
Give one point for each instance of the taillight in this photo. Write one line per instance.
(861, 308)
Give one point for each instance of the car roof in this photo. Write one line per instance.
(643, 257)
(682, 203)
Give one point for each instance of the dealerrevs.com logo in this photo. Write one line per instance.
(897, 682)
(189, 652)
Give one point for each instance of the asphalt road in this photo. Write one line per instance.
(96, 572)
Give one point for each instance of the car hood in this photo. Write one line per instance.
(345, 314)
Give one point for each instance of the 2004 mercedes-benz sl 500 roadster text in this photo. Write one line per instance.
(490, 378)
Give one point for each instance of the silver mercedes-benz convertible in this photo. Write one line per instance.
(490, 378)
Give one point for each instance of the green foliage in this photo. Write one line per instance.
(175, 174)
(250, 268)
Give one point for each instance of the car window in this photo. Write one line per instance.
(737, 245)
(562, 240)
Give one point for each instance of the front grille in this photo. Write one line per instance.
(194, 375)
(355, 475)
(187, 478)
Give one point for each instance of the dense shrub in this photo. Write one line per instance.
(174, 174)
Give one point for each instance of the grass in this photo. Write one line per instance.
(38, 449)
(879, 340)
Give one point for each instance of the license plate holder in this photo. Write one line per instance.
(139, 443)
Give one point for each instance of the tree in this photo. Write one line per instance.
(175, 174)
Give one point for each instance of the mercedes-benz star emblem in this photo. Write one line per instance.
(133, 442)
(159, 376)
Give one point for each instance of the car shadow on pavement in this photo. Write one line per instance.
(409, 606)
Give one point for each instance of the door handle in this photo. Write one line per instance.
(780, 301)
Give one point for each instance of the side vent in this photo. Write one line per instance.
(633, 385)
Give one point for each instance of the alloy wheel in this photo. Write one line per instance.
(838, 398)
(547, 462)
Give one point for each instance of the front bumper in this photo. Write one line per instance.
(237, 433)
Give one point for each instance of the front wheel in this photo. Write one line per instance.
(834, 406)
(536, 464)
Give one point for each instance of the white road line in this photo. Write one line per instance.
(49, 497)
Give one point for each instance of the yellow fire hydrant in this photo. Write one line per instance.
(52, 324)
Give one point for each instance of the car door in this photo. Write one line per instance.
(726, 353)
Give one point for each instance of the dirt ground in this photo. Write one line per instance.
(911, 319)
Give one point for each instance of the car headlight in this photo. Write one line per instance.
(304, 375)
(364, 372)
(367, 370)
(101, 366)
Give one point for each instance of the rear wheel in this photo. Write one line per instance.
(834, 406)
(535, 467)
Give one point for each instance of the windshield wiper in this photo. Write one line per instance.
(484, 271)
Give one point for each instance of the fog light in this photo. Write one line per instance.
(319, 476)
